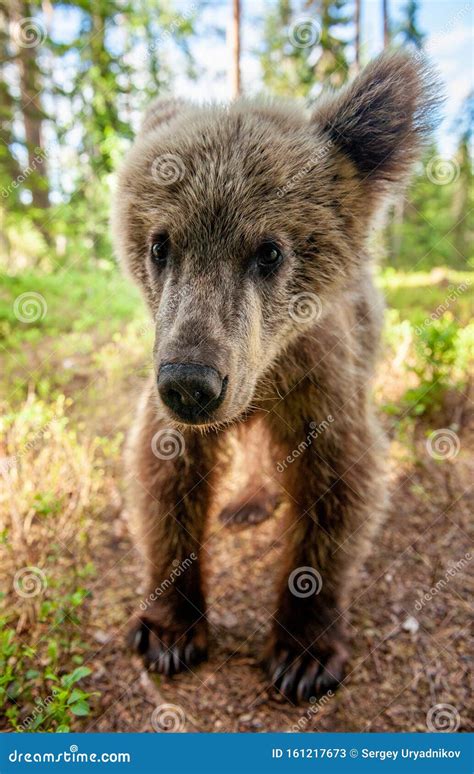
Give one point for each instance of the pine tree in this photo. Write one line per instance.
(357, 37)
(332, 66)
(305, 52)
(463, 199)
(408, 31)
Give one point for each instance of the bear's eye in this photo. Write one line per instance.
(268, 257)
(160, 249)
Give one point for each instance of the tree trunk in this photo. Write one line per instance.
(357, 34)
(386, 24)
(236, 88)
(7, 106)
(30, 104)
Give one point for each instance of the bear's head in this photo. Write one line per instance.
(242, 224)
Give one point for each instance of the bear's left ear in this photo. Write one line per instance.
(383, 119)
(161, 111)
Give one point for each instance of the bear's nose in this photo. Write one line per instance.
(192, 391)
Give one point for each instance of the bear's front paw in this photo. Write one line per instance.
(169, 650)
(300, 674)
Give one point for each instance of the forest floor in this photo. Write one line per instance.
(66, 515)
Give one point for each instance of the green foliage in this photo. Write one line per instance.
(39, 698)
(65, 130)
(440, 357)
(75, 300)
(435, 225)
(303, 50)
(437, 361)
(407, 31)
(421, 296)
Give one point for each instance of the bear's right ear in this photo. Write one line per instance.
(382, 120)
(161, 111)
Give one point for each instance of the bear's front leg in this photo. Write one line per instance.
(171, 474)
(335, 489)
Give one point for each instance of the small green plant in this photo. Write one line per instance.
(443, 352)
(35, 699)
(65, 699)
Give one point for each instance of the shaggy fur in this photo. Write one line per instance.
(297, 347)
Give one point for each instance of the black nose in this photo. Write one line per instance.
(192, 391)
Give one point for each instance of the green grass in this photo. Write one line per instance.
(417, 295)
(73, 301)
(76, 323)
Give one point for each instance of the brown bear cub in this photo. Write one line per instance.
(246, 228)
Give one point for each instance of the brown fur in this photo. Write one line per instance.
(249, 173)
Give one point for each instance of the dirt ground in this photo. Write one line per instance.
(410, 654)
